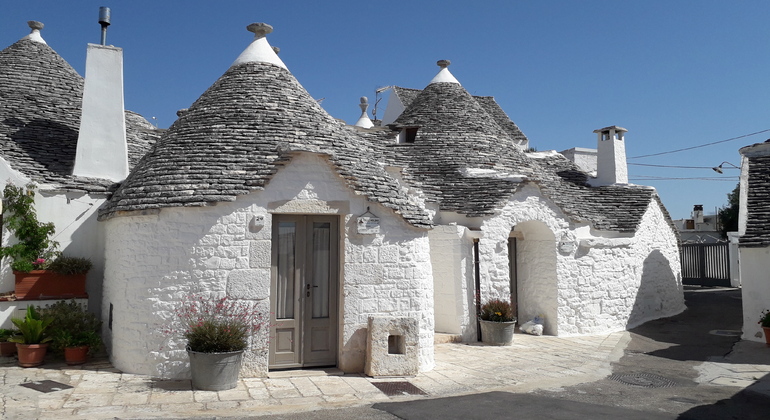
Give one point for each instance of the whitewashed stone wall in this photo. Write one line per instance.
(591, 285)
(755, 282)
(77, 231)
(454, 294)
(155, 261)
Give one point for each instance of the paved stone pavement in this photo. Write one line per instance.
(101, 392)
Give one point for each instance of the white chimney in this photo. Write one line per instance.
(102, 151)
(697, 213)
(611, 167)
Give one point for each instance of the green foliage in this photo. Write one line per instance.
(728, 215)
(497, 310)
(6, 334)
(35, 245)
(70, 265)
(32, 328)
(764, 319)
(72, 325)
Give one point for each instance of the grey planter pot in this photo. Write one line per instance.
(497, 333)
(215, 371)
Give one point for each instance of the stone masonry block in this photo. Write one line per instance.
(249, 284)
(392, 347)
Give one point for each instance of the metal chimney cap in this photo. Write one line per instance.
(260, 29)
(35, 25)
(104, 16)
(443, 63)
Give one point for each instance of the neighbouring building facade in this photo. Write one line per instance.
(754, 236)
(258, 194)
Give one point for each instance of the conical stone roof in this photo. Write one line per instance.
(238, 134)
(465, 158)
(40, 107)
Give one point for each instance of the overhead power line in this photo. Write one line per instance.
(702, 178)
(675, 166)
(702, 145)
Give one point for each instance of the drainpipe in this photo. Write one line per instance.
(477, 275)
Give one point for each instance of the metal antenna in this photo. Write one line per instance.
(104, 20)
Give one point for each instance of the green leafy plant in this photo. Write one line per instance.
(764, 319)
(219, 325)
(70, 265)
(32, 328)
(35, 247)
(497, 310)
(6, 334)
(72, 326)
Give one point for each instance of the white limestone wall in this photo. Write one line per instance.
(77, 231)
(582, 281)
(755, 282)
(453, 281)
(155, 261)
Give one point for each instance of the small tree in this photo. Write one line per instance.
(728, 215)
(34, 246)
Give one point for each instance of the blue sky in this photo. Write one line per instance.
(676, 73)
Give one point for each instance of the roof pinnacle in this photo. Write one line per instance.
(260, 29)
(34, 34)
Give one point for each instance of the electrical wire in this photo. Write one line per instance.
(663, 178)
(702, 145)
(675, 166)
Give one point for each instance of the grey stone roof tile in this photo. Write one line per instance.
(457, 132)
(40, 103)
(757, 203)
(238, 134)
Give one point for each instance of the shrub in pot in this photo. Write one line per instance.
(217, 333)
(73, 327)
(32, 341)
(497, 322)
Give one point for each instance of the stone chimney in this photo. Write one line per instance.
(611, 167)
(102, 151)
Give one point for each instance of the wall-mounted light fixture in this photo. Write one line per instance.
(718, 169)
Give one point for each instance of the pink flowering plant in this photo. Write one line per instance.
(218, 325)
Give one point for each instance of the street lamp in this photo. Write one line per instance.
(718, 169)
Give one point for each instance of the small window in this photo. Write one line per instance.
(689, 224)
(410, 134)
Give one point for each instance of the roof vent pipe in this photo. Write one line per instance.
(104, 20)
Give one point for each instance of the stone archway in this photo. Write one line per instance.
(536, 278)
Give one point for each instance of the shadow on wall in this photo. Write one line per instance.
(659, 288)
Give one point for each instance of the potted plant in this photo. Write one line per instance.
(32, 341)
(7, 348)
(497, 322)
(41, 271)
(75, 331)
(764, 322)
(217, 333)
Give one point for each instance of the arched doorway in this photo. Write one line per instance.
(532, 254)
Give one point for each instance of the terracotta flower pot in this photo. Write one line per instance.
(767, 335)
(7, 349)
(44, 284)
(31, 355)
(75, 355)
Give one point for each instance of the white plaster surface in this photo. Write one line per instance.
(35, 36)
(755, 279)
(77, 231)
(153, 262)
(611, 167)
(612, 285)
(444, 76)
(393, 110)
(102, 151)
(259, 51)
(453, 281)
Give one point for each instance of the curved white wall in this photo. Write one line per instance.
(605, 281)
(153, 262)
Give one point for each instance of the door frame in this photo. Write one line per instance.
(301, 354)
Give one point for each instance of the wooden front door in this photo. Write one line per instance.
(303, 291)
